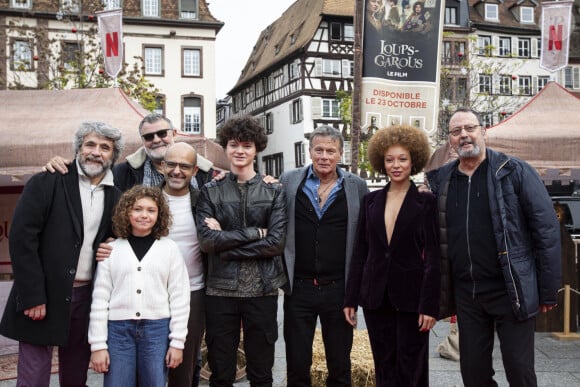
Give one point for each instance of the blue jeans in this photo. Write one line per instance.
(137, 348)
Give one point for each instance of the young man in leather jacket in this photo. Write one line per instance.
(241, 223)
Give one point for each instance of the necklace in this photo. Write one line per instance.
(321, 193)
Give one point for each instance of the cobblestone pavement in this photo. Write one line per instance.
(557, 361)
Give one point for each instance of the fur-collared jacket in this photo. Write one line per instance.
(131, 172)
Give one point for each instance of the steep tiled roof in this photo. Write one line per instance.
(290, 33)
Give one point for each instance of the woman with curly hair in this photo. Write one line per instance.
(394, 271)
(138, 320)
(418, 20)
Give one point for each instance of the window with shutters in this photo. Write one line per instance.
(485, 83)
(524, 48)
(542, 82)
(505, 46)
(505, 84)
(331, 67)
(299, 154)
(484, 45)
(525, 85)
(330, 108)
(296, 111)
(274, 164)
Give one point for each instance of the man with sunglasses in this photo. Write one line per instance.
(144, 166)
(500, 253)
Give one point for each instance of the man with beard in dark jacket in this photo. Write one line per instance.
(57, 225)
(500, 253)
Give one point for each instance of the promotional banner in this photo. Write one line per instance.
(400, 70)
(556, 30)
(111, 32)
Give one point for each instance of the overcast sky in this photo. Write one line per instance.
(244, 20)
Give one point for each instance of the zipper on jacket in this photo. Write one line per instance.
(467, 236)
(505, 241)
(244, 202)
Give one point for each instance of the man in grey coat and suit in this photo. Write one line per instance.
(56, 228)
(323, 204)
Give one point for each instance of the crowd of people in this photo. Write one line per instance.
(125, 266)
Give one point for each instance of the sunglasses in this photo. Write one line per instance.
(160, 133)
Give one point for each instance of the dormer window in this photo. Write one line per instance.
(527, 14)
(188, 9)
(491, 12)
(23, 4)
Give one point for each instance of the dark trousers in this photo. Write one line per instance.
(400, 350)
(301, 310)
(224, 317)
(185, 374)
(34, 361)
(477, 318)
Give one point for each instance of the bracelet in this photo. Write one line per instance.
(260, 235)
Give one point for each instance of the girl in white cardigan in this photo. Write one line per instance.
(140, 302)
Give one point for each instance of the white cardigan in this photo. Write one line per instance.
(154, 288)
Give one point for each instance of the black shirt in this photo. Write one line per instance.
(472, 244)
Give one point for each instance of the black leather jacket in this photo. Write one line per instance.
(240, 211)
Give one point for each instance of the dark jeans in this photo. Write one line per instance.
(301, 310)
(224, 317)
(187, 373)
(34, 361)
(400, 350)
(477, 319)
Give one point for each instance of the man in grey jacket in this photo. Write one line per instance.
(500, 253)
(323, 203)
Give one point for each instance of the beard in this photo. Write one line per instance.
(96, 168)
(156, 154)
(474, 152)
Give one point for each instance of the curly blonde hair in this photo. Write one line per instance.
(121, 223)
(409, 137)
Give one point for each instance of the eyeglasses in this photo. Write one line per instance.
(182, 166)
(160, 133)
(468, 128)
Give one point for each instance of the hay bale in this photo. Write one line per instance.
(363, 369)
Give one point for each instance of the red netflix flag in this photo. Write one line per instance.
(556, 29)
(111, 31)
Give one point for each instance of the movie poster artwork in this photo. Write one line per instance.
(400, 74)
